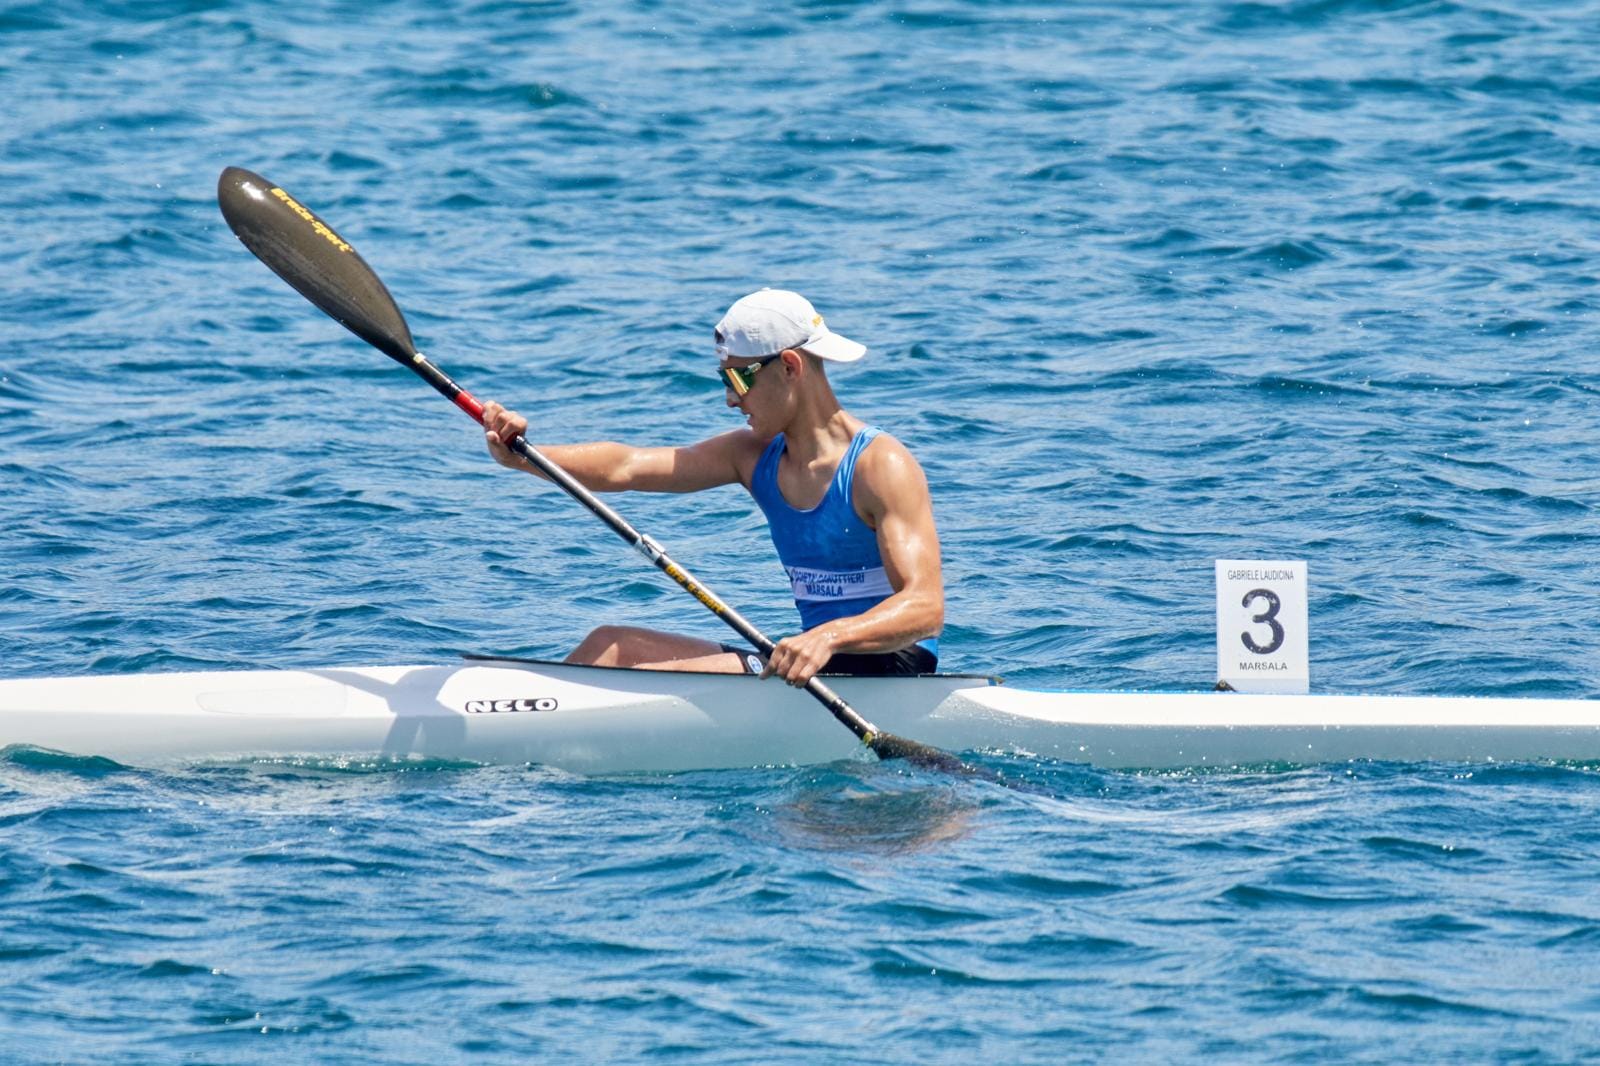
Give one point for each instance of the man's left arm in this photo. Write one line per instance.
(892, 494)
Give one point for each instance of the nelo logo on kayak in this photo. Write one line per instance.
(544, 703)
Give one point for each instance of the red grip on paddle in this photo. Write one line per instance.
(465, 401)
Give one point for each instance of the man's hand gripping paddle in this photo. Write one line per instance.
(323, 267)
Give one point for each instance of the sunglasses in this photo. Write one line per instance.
(741, 378)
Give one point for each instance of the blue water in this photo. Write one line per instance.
(1147, 285)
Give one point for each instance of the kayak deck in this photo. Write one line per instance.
(604, 720)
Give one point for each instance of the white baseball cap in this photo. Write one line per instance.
(771, 320)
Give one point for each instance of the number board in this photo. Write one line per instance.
(1261, 625)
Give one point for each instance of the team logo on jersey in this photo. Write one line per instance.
(813, 584)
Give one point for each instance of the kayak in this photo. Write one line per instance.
(600, 720)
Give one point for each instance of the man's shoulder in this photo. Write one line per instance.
(740, 448)
(734, 442)
(885, 451)
(888, 470)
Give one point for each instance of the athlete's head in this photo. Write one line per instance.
(773, 320)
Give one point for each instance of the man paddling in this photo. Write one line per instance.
(847, 506)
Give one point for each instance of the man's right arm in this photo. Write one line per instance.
(606, 466)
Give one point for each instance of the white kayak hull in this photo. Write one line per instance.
(585, 719)
(1132, 730)
(597, 720)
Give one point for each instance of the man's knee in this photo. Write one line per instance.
(611, 635)
(608, 645)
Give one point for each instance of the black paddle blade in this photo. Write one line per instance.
(888, 746)
(321, 265)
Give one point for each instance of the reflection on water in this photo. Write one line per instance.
(867, 807)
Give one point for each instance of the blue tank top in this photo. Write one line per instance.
(830, 554)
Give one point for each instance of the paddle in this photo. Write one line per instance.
(323, 267)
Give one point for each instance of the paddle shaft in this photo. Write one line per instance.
(646, 546)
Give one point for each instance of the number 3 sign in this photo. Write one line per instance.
(1261, 625)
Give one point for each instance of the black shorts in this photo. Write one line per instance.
(907, 662)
